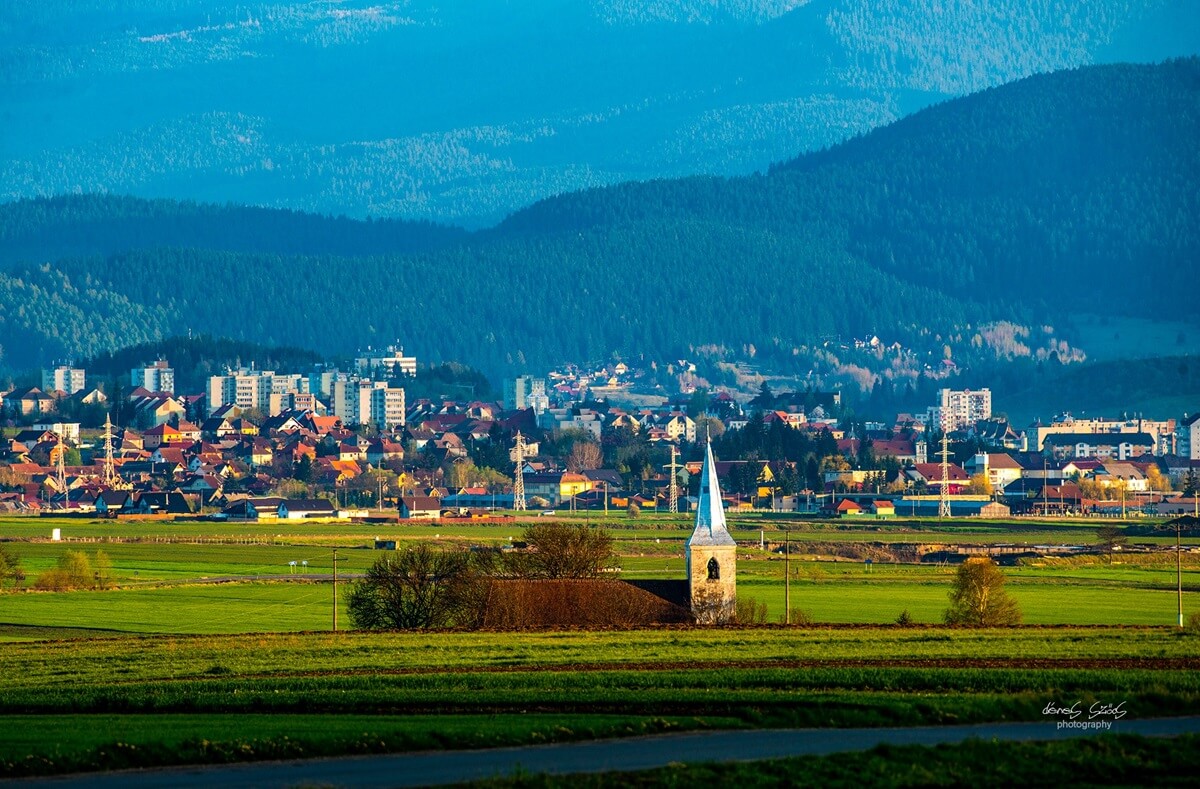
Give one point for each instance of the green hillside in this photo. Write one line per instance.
(1061, 194)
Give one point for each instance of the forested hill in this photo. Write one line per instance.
(1070, 192)
(1060, 186)
(73, 225)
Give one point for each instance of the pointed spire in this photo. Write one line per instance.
(710, 510)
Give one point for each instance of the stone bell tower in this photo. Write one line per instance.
(711, 554)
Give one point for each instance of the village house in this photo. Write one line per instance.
(420, 508)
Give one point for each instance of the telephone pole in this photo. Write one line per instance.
(335, 590)
(674, 490)
(787, 576)
(944, 495)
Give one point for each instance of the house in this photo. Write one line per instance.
(557, 487)
(300, 509)
(30, 401)
(163, 502)
(153, 410)
(882, 509)
(1000, 469)
(930, 474)
(847, 507)
(111, 502)
(161, 434)
(251, 508)
(420, 508)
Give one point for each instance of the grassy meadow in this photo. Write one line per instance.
(211, 577)
(99, 700)
(212, 648)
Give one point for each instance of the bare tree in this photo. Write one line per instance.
(978, 598)
(557, 550)
(584, 456)
(1111, 538)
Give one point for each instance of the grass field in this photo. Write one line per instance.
(173, 586)
(122, 701)
(210, 649)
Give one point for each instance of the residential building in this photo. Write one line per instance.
(63, 378)
(158, 377)
(999, 469)
(1187, 437)
(526, 392)
(958, 409)
(389, 362)
(1164, 432)
(368, 403)
(250, 388)
(1115, 446)
(68, 430)
(30, 401)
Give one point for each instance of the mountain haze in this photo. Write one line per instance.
(1062, 194)
(464, 112)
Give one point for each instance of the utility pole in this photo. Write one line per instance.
(674, 488)
(787, 576)
(1178, 571)
(335, 590)
(944, 497)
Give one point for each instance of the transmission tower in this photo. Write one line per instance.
(674, 489)
(518, 474)
(111, 479)
(62, 467)
(944, 494)
(110, 473)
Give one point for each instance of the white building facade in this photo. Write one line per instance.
(64, 378)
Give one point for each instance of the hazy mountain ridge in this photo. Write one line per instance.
(930, 233)
(399, 108)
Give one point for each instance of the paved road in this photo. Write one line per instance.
(639, 753)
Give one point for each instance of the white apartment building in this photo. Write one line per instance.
(368, 403)
(1187, 437)
(388, 362)
(1163, 432)
(65, 378)
(957, 409)
(526, 392)
(158, 377)
(250, 388)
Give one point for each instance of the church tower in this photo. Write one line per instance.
(711, 554)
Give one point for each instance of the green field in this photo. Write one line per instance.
(211, 577)
(270, 696)
(212, 648)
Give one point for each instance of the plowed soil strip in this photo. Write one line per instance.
(1093, 664)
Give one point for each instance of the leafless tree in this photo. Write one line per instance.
(584, 456)
(557, 550)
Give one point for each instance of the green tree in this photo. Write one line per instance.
(978, 598)
(421, 587)
(980, 485)
(10, 567)
(102, 570)
(1191, 484)
(304, 470)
